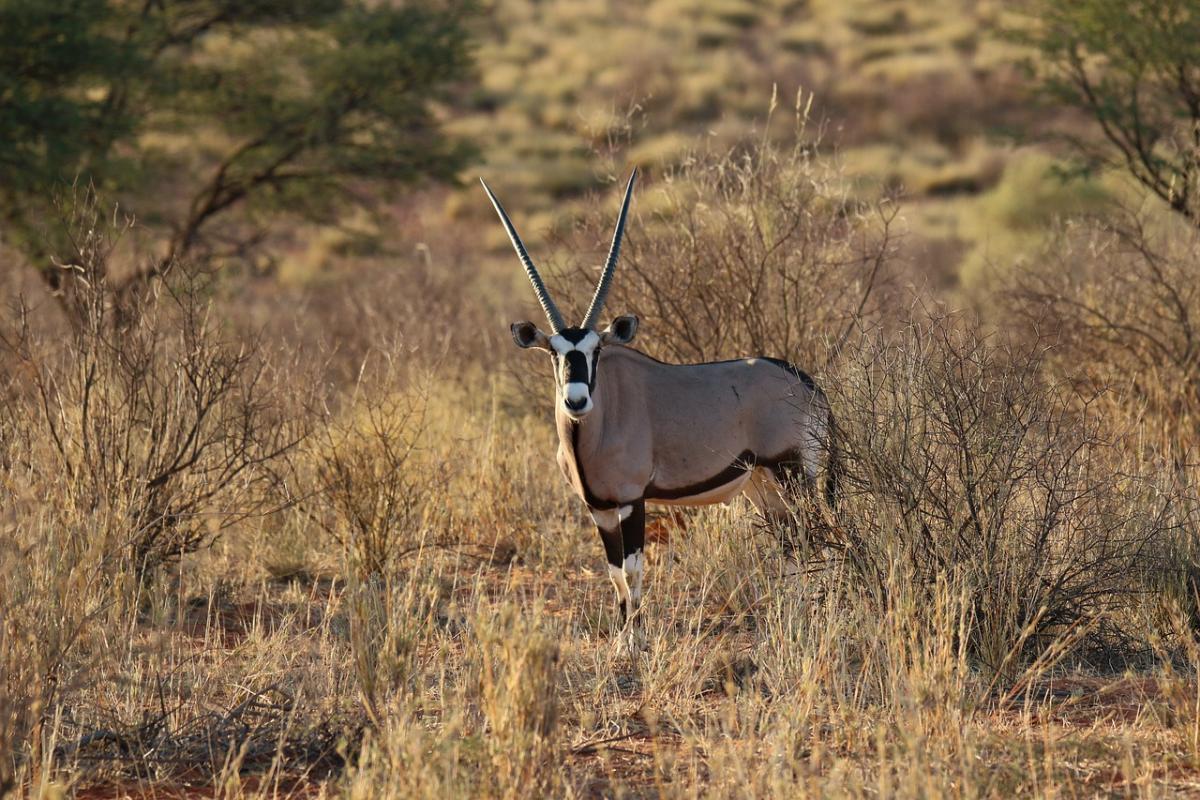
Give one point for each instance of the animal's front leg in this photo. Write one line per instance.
(623, 530)
(610, 522)
(633, 543)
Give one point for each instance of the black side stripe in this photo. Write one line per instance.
(743, 463)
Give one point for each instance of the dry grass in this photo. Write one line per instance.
(407, 603)
(465, 675)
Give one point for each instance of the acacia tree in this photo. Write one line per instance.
(186, 110)
(1134, 68)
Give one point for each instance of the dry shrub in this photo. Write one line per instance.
(964, 465)
(406, 760)
(379, 498)
(824, 691)
(151, 426)
(389, 621)
(1178, 654)
(375, 482)
(410, 459)
(57, 595)
(840, 678)
(129, 437)
(757, 251)
(1121, 299)
(518, 677)
(492, 688)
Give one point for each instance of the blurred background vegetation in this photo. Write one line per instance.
(307, 140)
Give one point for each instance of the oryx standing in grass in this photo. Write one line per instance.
(633, 430)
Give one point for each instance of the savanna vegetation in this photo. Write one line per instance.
(279, 512)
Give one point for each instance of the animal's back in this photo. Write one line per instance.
(718, 412)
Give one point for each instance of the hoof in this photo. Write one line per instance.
(632, 640)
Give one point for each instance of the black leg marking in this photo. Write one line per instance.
(614, 552)
(613, 547)
(633, 540)
(633, 529)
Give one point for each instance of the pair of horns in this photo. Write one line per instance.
(539, 288)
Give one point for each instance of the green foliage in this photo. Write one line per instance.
(185, 110)
(1134, 68)
(1035, 190)
(48, 53)
(1011, 223)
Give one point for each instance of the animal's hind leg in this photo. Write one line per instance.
(796, 480)
(768, 494)
(784, 495)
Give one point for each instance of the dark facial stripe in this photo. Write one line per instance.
(573, 335)
(577, 368)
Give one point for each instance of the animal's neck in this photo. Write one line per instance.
(588, 434)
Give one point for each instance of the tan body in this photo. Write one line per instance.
(633, 430)
(684, 434)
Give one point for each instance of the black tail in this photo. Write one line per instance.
(833, 467)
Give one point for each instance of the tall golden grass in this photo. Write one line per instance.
(392, 593)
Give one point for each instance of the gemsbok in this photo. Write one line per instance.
(633, 430)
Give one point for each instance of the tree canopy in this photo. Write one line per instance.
(185, 110)
(1134, 68)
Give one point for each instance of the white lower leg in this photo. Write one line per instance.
(624, 596)
(635, 567)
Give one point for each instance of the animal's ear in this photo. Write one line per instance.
(526, 334)
(621, 331)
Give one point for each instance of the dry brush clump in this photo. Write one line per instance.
(371, 478)
(410, 459)
(1118, 296)
(132, 434)
(484, 717)
(149, 422)
(518, 657)
(761, 250)
(964, 463)
(52, 611)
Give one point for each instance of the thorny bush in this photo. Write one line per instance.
(759, 251)
(151, 425)
(373, 481)
(1121, 300)
(964, 463)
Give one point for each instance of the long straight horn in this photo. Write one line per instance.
(539, 288)
(610, 266)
